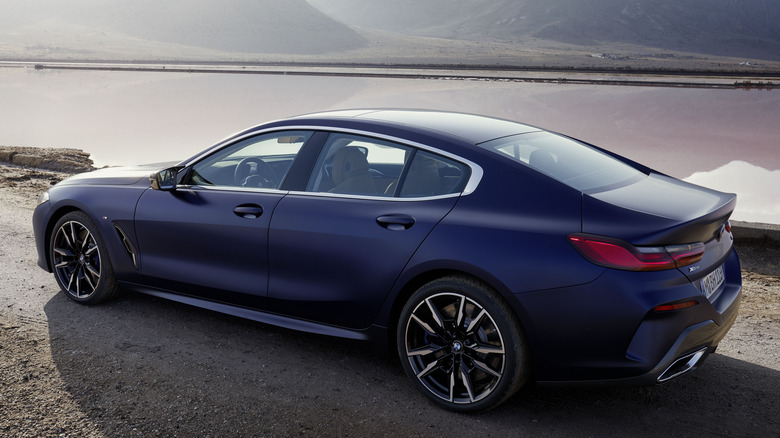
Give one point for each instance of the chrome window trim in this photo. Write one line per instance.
(232, 189)
(374, 198)
(315, 194)
(471, 185)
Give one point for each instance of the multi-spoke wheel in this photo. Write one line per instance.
(462, 345)
(80, 260)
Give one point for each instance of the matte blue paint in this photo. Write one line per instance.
(342, 265)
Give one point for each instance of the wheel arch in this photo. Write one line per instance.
(430, 372)
(86, 274)
(55, 216)
(419, 279)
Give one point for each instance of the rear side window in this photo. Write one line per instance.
(432, 175)
(356, 165)
(571, 162)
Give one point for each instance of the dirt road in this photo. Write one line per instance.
(140, 366)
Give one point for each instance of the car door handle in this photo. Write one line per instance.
(396, 222)
(249, 211)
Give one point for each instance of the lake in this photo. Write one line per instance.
(724, 139)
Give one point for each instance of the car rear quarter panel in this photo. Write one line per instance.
(511, 234)
(515, 226)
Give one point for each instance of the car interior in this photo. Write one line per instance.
(350, 166)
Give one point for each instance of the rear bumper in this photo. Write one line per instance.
(607, 332)
(689, 351)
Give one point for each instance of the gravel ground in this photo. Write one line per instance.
(140, 366)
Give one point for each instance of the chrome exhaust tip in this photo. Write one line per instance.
(682, 365)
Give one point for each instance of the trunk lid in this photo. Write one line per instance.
(659, 211)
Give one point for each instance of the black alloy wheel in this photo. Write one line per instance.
(80, 260)
(462, 345)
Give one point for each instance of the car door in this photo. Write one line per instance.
(209, 237)
(337, 248)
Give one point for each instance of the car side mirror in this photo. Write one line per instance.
(165, 179)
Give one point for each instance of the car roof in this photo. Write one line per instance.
(471, 128)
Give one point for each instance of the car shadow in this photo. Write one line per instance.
(151, 367)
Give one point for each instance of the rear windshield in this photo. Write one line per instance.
(571, 162)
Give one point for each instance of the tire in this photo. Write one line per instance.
(462, 345)
(80, 260)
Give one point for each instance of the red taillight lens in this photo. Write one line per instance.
(675, 306)
(619, 254)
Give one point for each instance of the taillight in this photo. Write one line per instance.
(675, 306)
(685, 255)
(619, 254)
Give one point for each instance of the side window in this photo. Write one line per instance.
(261, 161)
(433, 175)
(357, 165)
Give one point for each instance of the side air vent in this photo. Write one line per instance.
(128, 245)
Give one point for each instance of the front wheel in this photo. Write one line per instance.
(462, 345)
(80, 260)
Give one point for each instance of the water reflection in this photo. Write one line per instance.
(757, 189)
(138, 117)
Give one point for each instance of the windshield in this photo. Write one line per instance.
(571, 162)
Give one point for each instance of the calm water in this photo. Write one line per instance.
(725, 139)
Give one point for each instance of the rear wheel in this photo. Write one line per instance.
(80, 260)
(462, 345)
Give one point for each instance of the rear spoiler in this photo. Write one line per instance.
(658, 211)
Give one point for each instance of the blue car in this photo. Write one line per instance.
(488, 253)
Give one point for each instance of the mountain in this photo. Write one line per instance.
(250, 26)
(739, 28)
(559, 32)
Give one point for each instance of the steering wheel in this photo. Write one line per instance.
(254, 172)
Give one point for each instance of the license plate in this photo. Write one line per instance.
(712, 282)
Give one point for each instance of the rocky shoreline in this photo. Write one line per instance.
(56, 159)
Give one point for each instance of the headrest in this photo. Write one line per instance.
(348, 162)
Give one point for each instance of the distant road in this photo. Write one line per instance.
(622, 77)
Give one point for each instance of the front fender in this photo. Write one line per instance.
(106, 206)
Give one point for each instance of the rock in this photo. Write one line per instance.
(26, 160)
(56, 159)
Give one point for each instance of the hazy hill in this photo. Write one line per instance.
(253, 26)
(523, 32)
(716, 27)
